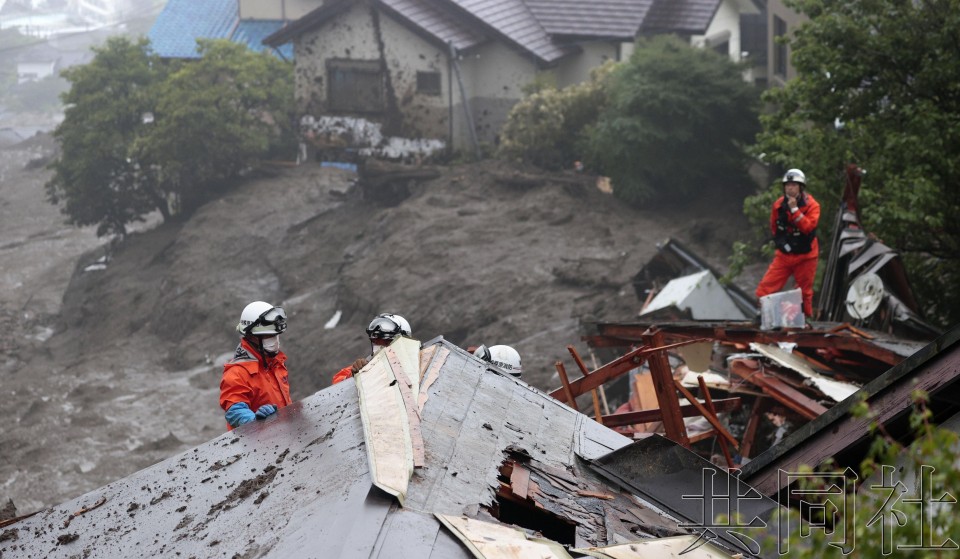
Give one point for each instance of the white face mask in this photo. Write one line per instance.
(271, 345)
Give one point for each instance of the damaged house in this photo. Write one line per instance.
(451, 70)
(427, 452)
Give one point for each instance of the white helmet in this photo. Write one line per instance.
(387, 326)
(262, 319)
(795, 175)
(503, 356)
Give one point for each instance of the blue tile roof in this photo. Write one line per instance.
(252, 33)
(175, 32)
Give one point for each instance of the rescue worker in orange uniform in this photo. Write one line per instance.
(254, 384)
(793, 223)
(382, 330)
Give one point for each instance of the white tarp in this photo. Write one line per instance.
(701, 293)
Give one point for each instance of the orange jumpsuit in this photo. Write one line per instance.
(802, 263)
(254, 379)
(342, 375)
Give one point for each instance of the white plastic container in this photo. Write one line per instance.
(782, 310)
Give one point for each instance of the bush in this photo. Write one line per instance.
(547, 127)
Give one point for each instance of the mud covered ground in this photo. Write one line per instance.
(110, 370)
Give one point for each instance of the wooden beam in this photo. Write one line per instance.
(756, 412)
(709, 403)
(777, 389)
(613, 335)
(647, 416)
(673, 425)
(571, 399)
(706, 414)
(615, 368)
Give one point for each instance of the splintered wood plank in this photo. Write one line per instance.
(426, 354)
(413, 412)
(687, 547)
(494, 541)
(520, 481)
(386, 428)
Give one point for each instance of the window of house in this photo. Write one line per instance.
(779, 48)
(428, 83)
(355, 86)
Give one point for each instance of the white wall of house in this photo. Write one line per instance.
(494, 75)
(351, 38)
(273, 9)
(577, 68)
(723, 30)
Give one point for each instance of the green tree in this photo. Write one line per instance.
(547, 127)
(217, 117)
(878, 520)
(675, 124)
(877, 86)
(95, 177)
(211, 120)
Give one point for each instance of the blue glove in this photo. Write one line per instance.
(266, 410)
(238, 414)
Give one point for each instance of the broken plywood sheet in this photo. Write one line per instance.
(495, 541)
(408, 351)
(677, 547)
(834, 389)
(386, 425)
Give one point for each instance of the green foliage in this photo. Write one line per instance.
(873, 89)
(884, 519)
(95, 177)
(212, 119)
(675, 123)
(217, 117)
(547, 127)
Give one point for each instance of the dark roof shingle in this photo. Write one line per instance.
(598, 18)
(681, 16)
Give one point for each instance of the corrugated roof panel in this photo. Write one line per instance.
(252, 32)
(596, 18)
(175, 32)
(684, 16)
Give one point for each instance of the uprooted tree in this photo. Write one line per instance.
(873, 89)
(139, 135)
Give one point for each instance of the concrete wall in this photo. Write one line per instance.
(355, 35)
(576, 69)
(493, 76)
(277, 9)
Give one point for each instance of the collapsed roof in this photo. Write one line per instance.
(330, 476)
